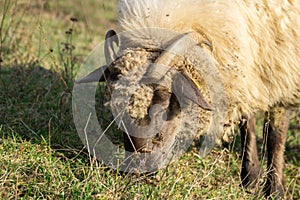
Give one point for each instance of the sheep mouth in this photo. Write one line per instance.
(149, 154)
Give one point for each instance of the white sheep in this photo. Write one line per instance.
(253, 44)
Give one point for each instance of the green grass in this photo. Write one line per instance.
(41, 155)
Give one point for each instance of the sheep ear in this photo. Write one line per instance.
(99, 75)
(185, 86)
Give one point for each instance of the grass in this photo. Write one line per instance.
(41, 155)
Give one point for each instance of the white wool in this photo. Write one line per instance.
(253, 42)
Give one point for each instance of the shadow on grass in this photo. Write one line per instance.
(36, 105)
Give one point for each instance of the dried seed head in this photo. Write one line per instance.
(74, 19)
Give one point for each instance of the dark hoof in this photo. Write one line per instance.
(274, 191)
(250, 176)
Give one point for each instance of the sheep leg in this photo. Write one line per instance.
(275, 131)
(250, 164)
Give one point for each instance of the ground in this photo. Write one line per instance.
(43, 44)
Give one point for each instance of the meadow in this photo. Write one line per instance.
(42, 45)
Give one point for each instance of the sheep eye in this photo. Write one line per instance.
(114, 76)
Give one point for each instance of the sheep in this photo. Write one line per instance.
(252, 44)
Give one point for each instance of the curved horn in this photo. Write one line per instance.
(166, 57)
(205, 65)
(178, 47)
(103, 72)
(110, 38)
(181, 83)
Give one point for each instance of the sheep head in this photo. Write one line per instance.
(159, 99)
